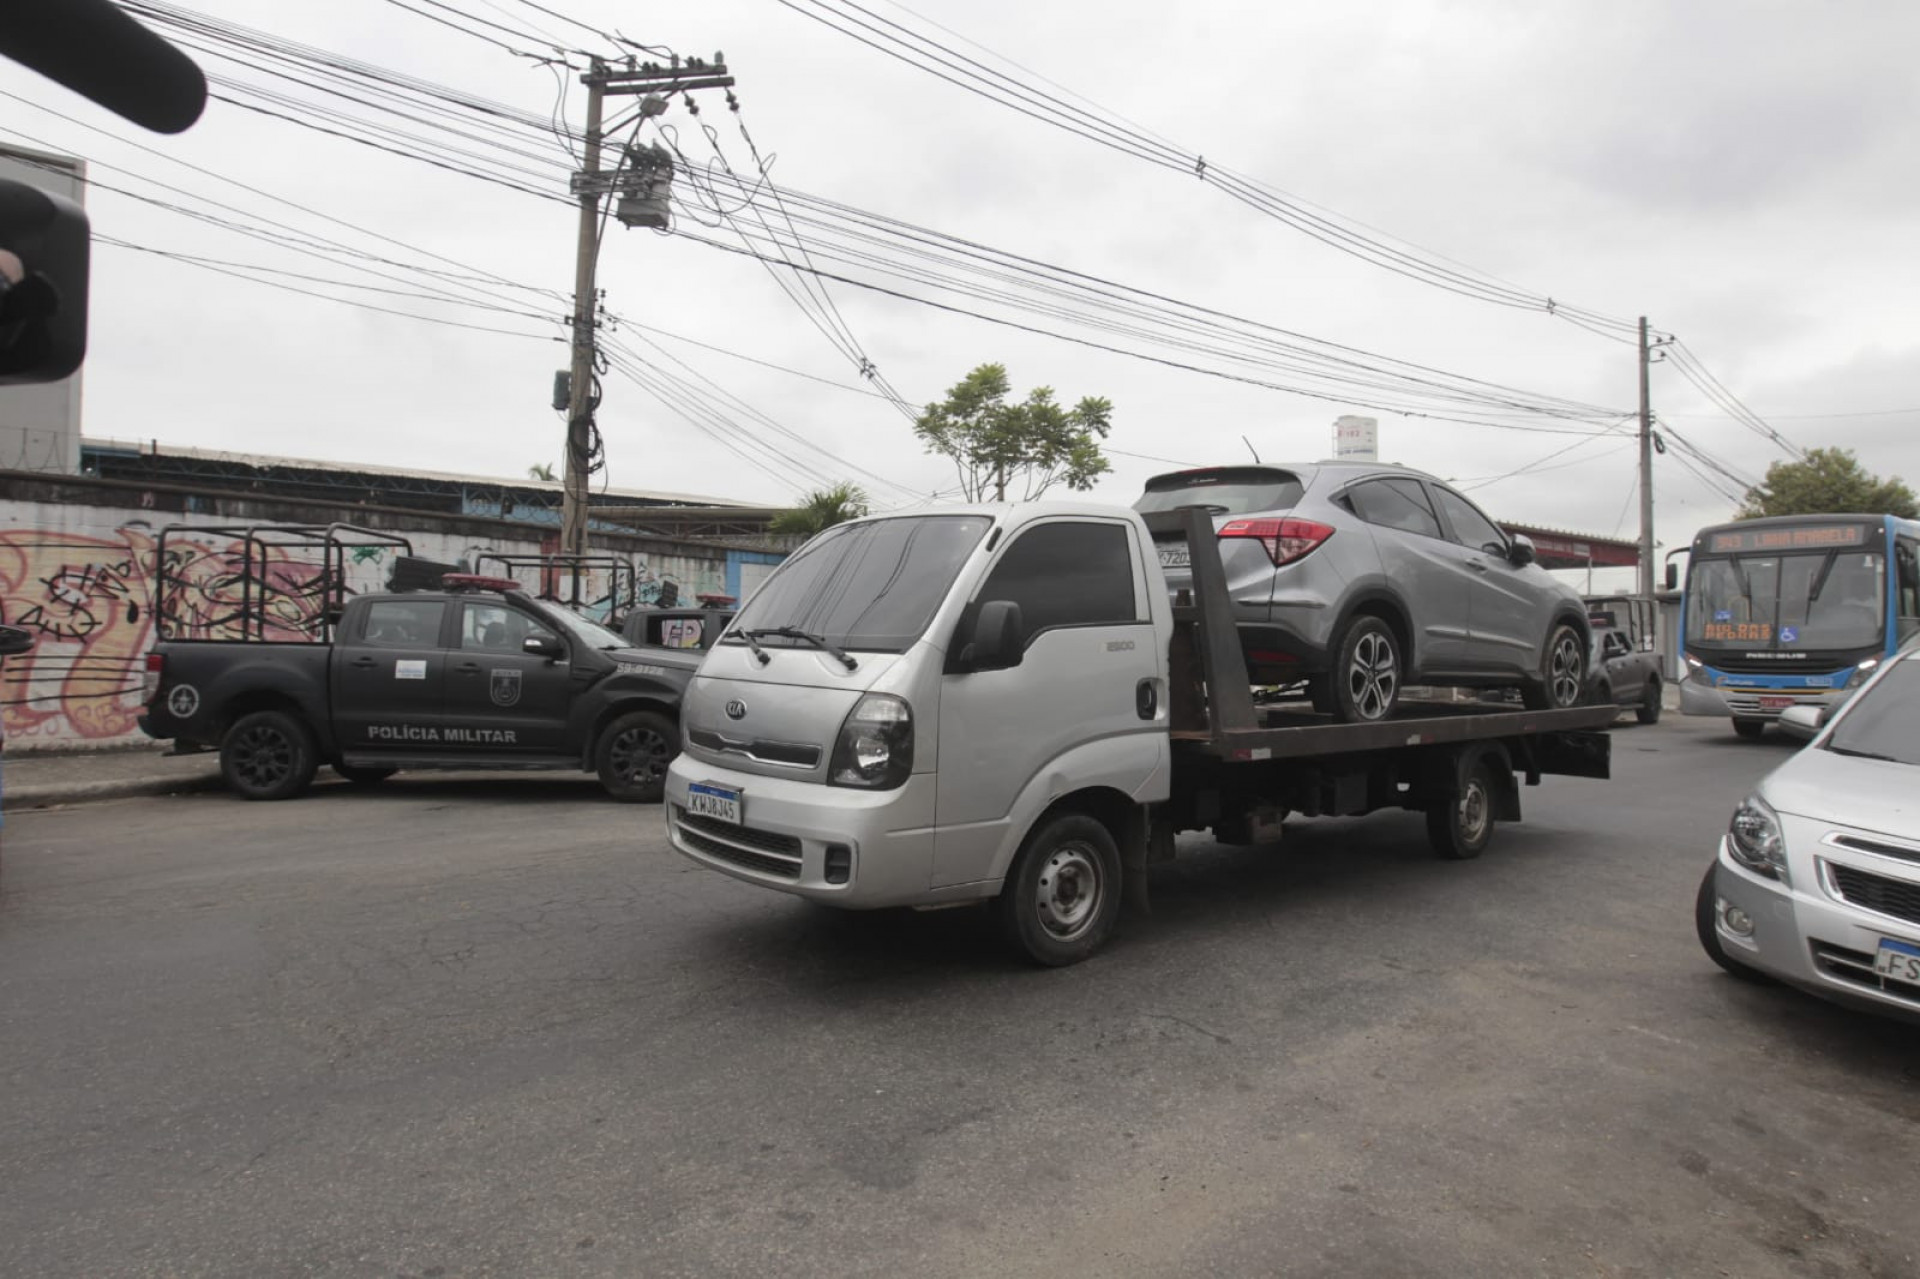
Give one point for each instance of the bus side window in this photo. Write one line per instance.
(1906, 557)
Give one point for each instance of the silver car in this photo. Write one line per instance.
(1358, 580)
(1817, 882)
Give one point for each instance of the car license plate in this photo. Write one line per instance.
(1175, 556)
(717, 802)
(1776, 703)
(1898, 961)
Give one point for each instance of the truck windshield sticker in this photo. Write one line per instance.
(405, 668)
(432, 733)
(183, 701)
(503, 687)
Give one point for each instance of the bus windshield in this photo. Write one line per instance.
(1815, 601)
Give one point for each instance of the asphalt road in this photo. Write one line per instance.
(454, 1029)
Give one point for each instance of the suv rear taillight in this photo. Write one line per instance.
(150, 682)
(1285, 540)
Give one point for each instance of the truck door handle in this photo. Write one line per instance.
(1478, 566)
(468, 668)
(364, 663)
(1146, 698)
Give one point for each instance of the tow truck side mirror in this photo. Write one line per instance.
(543, 646)
(997, 632)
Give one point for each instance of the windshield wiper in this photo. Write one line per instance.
(794, 633)
(751, 642)
(1854, 754)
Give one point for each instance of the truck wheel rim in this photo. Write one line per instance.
(1565, 673)
(640, 755)
(1372, 676)
(263, 757)
(1070, 891)
(1474, 811)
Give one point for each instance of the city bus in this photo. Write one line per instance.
(1794, 610)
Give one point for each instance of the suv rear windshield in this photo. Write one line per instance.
(1229, 490)
(872, 586)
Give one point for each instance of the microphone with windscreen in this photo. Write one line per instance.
(95, 49)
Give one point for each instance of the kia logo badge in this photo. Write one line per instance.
(736, 709)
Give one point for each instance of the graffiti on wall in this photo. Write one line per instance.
(95, 606)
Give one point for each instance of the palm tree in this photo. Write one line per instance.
(542, 471)
(822, 509)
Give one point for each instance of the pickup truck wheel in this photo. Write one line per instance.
(1062, 895)
(1460, 823)
(1648, 712)
(633, 755)
(1704, 903)
(361, 776)
(268, 755)
(1366, 676)
(1563, 672)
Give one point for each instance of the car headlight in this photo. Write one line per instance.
(1861, 673)
(875, 747)
(1754, 838)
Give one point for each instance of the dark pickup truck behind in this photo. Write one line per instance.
(480, 676)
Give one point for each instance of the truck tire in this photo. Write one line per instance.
(1751, 729)
(360, 775)
(268, 755)
(1368, 669)
(1703, 925)
(1563, 672)
(632, 756)
(1648, 712)
(1062, 894)
(1460, 823)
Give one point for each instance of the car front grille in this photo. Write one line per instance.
(756, 850)
(1895, 897)
(1855, 967)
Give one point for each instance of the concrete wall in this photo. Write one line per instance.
(78, 568)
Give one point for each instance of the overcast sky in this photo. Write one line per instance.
(1741, 172)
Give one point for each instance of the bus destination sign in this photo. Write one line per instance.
(1804, 537)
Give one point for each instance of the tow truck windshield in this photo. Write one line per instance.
(871, 586)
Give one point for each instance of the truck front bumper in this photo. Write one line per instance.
(1698, 697)
(842, 847)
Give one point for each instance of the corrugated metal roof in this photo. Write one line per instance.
(147, 448)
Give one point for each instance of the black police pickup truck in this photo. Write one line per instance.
(475, 676)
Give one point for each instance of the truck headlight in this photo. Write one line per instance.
(1755, 840)
(875, 747)
(1861, 673)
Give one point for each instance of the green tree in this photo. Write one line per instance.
(542, 471)
(1828, 482)
(1025, 448)
(822, 509)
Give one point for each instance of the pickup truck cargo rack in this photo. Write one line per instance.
(562, 579)
(246, 620)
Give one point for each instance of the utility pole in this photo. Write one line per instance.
(1646, 467)
(640, 178)
(580, 402)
